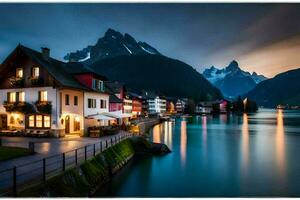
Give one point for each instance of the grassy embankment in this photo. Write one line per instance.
(84, 180)
(7, 153)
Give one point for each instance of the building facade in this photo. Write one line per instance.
(157, 105)
(39, 93)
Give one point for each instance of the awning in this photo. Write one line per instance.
(116, 114)
(100, 117)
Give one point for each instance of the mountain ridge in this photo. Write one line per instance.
(284, 88)
(232, 80)
(112, 44)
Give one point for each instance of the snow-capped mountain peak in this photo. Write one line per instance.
(112, 44)
(232, 80)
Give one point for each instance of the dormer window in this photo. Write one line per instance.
(97, 84)
(19, 73)
(35, 72)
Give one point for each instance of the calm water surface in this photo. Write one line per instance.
(227, 155)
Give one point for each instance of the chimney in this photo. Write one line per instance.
(45, 53)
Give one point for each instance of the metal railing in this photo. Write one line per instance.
(22, 176)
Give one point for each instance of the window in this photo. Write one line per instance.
(11, 97)
(75, 100)
(47, 121)
(21, 96)
(67, 99)
(91, 103)
(97, 84)
(100, 85)
(19, 73)
(76, 124)
(39, 121)
(31, 121)
(102, 103)
(43, 96)
(35, 72)
(12, 120)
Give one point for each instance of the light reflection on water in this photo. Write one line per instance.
(245, 143)
(183, 142)
(222, 156)
(280, 144)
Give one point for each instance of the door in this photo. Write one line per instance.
(3, 122)
(67, 124)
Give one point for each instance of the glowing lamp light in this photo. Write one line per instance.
(77, 119)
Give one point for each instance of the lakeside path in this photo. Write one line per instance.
(59, 154)
(55, 154)
(45, 147)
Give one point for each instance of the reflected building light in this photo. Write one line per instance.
(170, 135)
(183, 142)
(166, 132)
(280, 143)
(204, 131)
(45, 147)
(156, 133)
(245, 143)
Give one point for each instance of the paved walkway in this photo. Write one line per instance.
(30, 168)
(45, 147)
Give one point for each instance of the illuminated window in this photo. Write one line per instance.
(19, 73)
(11, 97)
(43, 96)
(31, 121)
(21, 96)
(12, 120)
(35, 72)
(39, 121)
(76, 124)
(47, 121)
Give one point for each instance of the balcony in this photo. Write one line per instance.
(44, 107)
(21, 107)
(16, 82)
(36, 81)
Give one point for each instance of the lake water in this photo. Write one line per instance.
(222, 156)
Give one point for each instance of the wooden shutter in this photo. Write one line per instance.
(8, 97)
(39, 96)
(17, 96)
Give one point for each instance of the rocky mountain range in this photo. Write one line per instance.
(232, 80)
(112, 44)
(140, 66)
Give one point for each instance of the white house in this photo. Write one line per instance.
(39, 93)
(157, 105)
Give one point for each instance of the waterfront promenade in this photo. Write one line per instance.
(53, 156)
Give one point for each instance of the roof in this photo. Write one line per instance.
(114, 99)
(55, 67)
(80, 68)
(134, 95)
(114, 86)
(61, 71)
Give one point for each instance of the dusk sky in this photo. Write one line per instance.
(262, 37)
